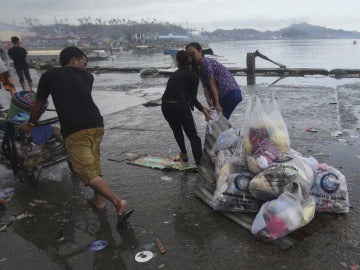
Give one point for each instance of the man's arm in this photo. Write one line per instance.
(36, 111)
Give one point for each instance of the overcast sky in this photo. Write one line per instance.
(208, 14)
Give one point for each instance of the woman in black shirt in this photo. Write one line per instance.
(177, 102)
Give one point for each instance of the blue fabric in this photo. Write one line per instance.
(41, 134)
(229, 102)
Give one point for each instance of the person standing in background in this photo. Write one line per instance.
(221, 90)
(18, 55)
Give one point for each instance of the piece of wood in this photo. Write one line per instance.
(160, 246)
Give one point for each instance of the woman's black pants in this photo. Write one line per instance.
(179, 117)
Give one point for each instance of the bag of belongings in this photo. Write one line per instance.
(265, 133)
(330, 190)
(279, 217)
(270, 183)
(232, 193)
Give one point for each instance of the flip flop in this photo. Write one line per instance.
(122, 218)
(93, 206)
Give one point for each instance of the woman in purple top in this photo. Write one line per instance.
(221, 89)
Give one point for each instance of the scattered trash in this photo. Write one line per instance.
(98, 245)
(39, 201)
(161, 266)
(124, 156)
(337, 133)
(166, 178)
(144, 256)
(149, 246)
(24, 215)
(354, 266)
(311, 130)
(160, 246)
(6, 193)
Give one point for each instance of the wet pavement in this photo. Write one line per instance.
(55, 227)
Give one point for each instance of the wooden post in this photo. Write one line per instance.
(250, 65)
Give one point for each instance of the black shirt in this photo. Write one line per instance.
(18, 55)
(70, 89)
(182, 86)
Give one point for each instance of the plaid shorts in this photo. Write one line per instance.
(83, 148)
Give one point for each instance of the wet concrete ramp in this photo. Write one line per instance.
(206, 185)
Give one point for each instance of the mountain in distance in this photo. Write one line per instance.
(294, 31)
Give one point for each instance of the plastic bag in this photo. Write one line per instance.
(265, 133)
(330, 191)
(283, 215)
(232, 193)
(226, 140)
(270, 183)
(214, 117)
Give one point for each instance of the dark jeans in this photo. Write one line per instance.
(21, 72)
(179, 117)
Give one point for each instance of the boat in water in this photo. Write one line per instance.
(97, 55)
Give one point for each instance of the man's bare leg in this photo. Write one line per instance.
(102, 190)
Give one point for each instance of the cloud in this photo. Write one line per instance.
(208, 14)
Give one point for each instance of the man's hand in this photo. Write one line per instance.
(26, 128)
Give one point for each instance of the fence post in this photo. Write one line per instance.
(250, 65)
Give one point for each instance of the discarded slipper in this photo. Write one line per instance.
(93, 206)
(122, 218)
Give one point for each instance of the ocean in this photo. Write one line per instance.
(124, 90)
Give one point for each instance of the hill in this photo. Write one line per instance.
(294, 31)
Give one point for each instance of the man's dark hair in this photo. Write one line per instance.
(70, 52)
(15, 40)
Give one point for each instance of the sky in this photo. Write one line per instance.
(207, 15)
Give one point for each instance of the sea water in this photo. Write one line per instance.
(114, 92)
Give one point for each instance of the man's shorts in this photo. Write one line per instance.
(83, 148)
(7, 81)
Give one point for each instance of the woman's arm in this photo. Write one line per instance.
(214, 94)
(208, 97)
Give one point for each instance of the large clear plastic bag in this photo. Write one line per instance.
(279, 217)
(265, 133)
(330, 190)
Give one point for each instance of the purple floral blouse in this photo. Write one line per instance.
(225, 82)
